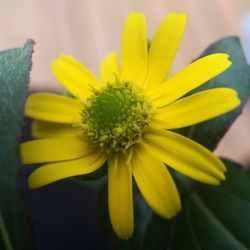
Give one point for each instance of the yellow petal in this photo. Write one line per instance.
(52, 172)
(197, 108)
(54, 149)
(189, 78)
(155, 184)
(120, 195)
(163, 48)
(74, 76)
(184, 155)
(110, 69)
(53, 108)
(134, 49)
(42, 129)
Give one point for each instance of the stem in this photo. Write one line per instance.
(5, 235)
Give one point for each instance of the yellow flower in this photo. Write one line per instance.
(126, 117)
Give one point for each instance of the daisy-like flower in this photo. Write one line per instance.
(126, 119)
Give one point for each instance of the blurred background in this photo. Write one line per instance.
(89, 29)
(63, 213)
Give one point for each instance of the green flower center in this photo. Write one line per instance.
(115, 116)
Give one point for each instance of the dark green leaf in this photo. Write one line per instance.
(15, 65)
(236, 77)
(159, 233)
(217, 217)
(212, 217)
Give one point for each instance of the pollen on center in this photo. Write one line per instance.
(115, 116)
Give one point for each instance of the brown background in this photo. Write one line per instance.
(89, 29)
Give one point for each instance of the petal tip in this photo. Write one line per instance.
(62, 58)
(22, 155)
(31, 183)
(135, 14)
(177, 16)
(215, 182)
(222, 177)
(223, 60)
(237, 100)
(224, 56)
(124, 234)
(54, 63)
(171, 214)
(183, 15)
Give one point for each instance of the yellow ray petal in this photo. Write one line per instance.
(42, 129)
(189, 78)
(155, 184)
(53, 108)
(52, 172)
(110, 68)
(184, 155)
(120, 195)
(74, 76)
(54, 149)
(134, 49)
(163, 48)
(197, 108)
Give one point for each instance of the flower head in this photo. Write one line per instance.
(126, 119)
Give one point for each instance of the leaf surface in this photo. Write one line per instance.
(237, 77)
(15, 66)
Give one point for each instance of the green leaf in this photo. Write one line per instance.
(217, 217)
(212, 217)
(15, 65)
(237, 77)
(159, 233)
